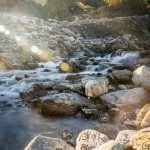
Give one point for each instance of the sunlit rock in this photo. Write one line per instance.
(110, 145)
(45, 143)
(90, 139)
(58, 104)
(141, 77)
(141, 140)
(95, 88)
(64, 67)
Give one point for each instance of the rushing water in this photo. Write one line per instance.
(19, 124)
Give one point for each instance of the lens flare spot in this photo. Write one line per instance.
(2, 29)
(7, 32)
(17, 38)
(34, 49)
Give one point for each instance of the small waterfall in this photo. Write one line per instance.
(122, 57)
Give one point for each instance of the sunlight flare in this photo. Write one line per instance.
(2, 29)
(34, 49)
(7, 32)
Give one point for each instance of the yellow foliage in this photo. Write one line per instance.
(83, 6)
(112, 2)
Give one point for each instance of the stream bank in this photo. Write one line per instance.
(100, 58)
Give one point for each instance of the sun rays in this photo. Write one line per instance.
(24, 42)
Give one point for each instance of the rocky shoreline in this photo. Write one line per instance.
(94, 69)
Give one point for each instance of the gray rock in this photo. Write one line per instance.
(131, 98)
(122, 75)
(113, 98)
(90, 139)
(46, 143)
(123, 137)
(122, 87)
(108, 129)
(141, 77)
(58, 104)
(95, 88)
(145, 61)
(127, 37)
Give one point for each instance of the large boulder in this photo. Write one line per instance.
(95, 88)
(47, 143)
(141, 140)
(141, 77)
(90, 139)
(122, 75)
(128, 102)
(129, 98)
(58, 104)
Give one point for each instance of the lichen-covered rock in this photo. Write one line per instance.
(141, 77)
(143, 117)
(95, 88)
(90, 139)
(110, 145)
(123, 137)
(141, 140)
(47, 143)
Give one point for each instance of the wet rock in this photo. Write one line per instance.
(18, 78)
(95, 88)
(71, 66)
(58, 104)
(141, 139)
(45, 143)
(141, 77)
(122, 75)
(123, 137)
(90, 139)
(63, 87)
(73, 77)
(90, 113)
(108, 129)
(43, 85)
(31, 66)
(5, 104)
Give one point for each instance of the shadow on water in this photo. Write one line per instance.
(18, 127)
